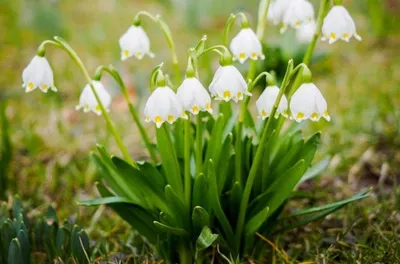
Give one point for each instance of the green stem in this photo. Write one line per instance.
(185, 254)
(259, 157)
(199, 144)
(262, 17)
(323, 9)
(168, 35)
(68, 49)
(135, 115)
(187, 177)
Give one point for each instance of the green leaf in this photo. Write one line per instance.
(14, 252)
(105, 200)
(315, 170)
(200, 219)
(51, 214)
(256, 221)
(199, 189)
(216, 139)
(8, 233)
(206, 239)
(168, 229)
(169, 159)
(178, 208)
(153, 174)
(216, 206)
(284, 185)
(235, 198)
(24, 246)
(224, 162)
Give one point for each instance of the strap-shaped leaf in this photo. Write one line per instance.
(235, 198)
(178, 208)
(105, 200)
(215, 204)
(283, 186)
(24, 246)
(169, 159)
(199, 189)
(206, 239)
(317, 213)
(14, 252)
(153, 174)
(168, 229)
(224, 162)
(200, 219)
(256, 221)
(315, 170)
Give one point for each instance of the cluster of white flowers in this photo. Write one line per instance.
(299, 14)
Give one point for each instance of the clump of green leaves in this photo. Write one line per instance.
(5, 151)
(24, 240)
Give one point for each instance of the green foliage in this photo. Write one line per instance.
(5, 151)
(20, 237)
(151, 200)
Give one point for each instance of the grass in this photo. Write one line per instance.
(361, 82)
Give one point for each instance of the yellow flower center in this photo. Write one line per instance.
(86, 107)
(227, 94)
(346, 35)
(333, 36)
(158, 119)
(45, 87)
(254, 55)
(300, 115)
(147, 119)
(297, 23)
(326, 114)
(98, 109)
(126, 53)
(31, 86)
(242, 55)
(171, 118)
(239, 95)
(208, 106)
(195, 109)
(184, 115)
(263, 113)
(138, 54)
(314, 116)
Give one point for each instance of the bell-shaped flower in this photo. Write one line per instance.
(193, 96)
(135, 42)
(38, 74)
(306, 32)
(163, 106)
(88, 101)
(338, 24)
(267, 100)
(276, 10)
(308, 103)
(297, 14)
(227, 84)
(246, 45)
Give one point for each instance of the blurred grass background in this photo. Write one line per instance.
(360, 81)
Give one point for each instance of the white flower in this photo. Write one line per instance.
(163, 106)
(228, 84)
(308, 103)
(38, 74)
(193, 96)
(297, 14)
(338, 24)
(276, 10)
(246, 45)
(306, 32)
(267, 100)
(88, 101)
(135, 42)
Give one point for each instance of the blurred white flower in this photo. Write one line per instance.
(38, 74)
(276, 10)
(193, 96)
(308, 103)
(163, 106)
(227, 84)
(88, 101)
(338, 24)
(135, 42)
(246, 45)
(297, 14)
(306, 32)
(267, 100)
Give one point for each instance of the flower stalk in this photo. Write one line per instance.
(134, 113)
(61, 43)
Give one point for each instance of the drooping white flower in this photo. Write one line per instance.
(267, 100)
(338, 24)
(227, 84)
(306, 32)
(308, 103)
(297, 14)
(193, 96)
(276, 10)
(88, 102)
(135, 42)
(246, 45)
(163, 106)
(38, 74)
